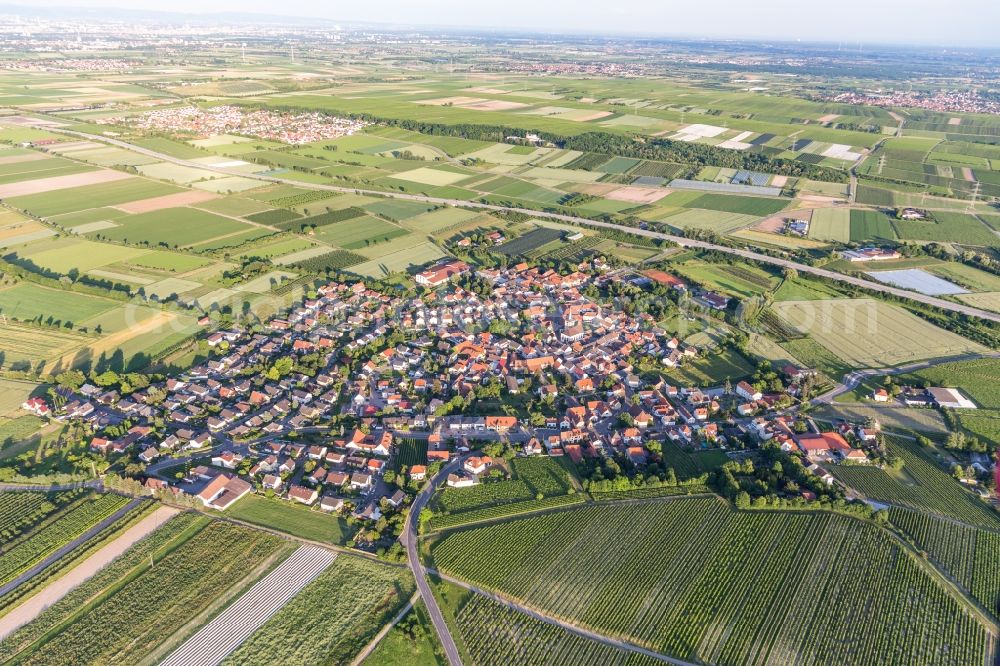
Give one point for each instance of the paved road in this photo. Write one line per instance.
(65, 549)
(679, 240)
(409, 539)
(96, 484)
(579, 631)
(852, 379)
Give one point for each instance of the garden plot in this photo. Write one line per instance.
(869, 333)
(919, 280)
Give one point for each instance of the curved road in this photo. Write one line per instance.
(679, 240)
(852, 379)
(409, 539)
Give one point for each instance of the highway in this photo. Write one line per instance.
(410, 540)
(679, 240)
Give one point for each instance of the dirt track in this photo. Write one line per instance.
(31, 608)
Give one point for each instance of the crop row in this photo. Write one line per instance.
(133, 620)
(713, 585)
(498, 635)
(329, 620)
(19, 511)
(140, 554)
(934, 490)
(970, 555)
(57, 533)
(499, 511)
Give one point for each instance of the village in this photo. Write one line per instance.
(291, 128)
(313, 407)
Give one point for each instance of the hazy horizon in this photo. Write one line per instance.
(964, 23)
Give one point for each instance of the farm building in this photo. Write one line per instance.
(441, 273)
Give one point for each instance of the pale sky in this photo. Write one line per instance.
(933, 22)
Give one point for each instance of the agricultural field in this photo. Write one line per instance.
(135, 618)
(534, 478)
(971, 555)
(711, 369)
(741, 280)
(921, 485)
(686, 590)
(175, 227)
(497, 634)
(294, 519)
(332, 618)
(979, 379)
(48, 538)
(142, 555)
(869, 333)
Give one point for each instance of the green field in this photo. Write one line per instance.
(738, 204)
(948, 228)
(979, 379)
(710, 369)
(74, 199)
(867, 225)
(359, 232)
(294, 519)
(712, 585)
(28, 302)
(332, 618)
(921, 485)
(175, 227)
(832, 224)
(137, 617)
(868, 333)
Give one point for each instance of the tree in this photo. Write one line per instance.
(743, 500)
